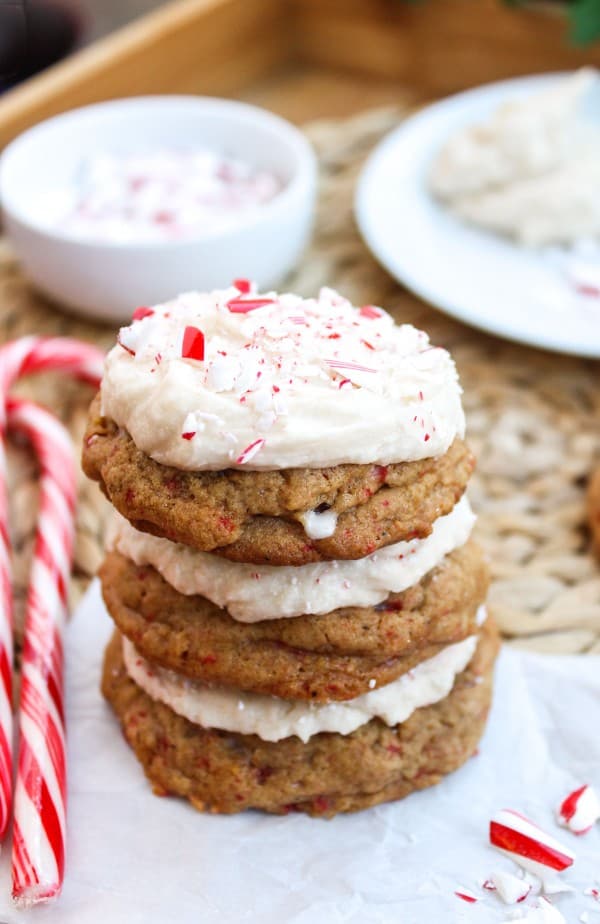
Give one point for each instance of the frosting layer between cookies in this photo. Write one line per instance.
(227, 379)
(251, 593)
(273, 719)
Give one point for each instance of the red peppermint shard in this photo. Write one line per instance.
(125, 347)
(189, 435)
(193, 344)
(370, 311)
(244, 305)
(142, 312)
(580, 810)
(250, 451)
(515, 834)
(569, 805)
(467, 896)
(342, 364)
(242, 285)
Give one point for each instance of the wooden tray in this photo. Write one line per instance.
(303, 58)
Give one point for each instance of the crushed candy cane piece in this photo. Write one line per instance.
(488, 885)
(243, 305)
(250, 451)
(552, 884)
(189, 435)
(580, 810)
(127, 340)
(527, 844)
(242, 285)
(342, 364)
(511, 889)
(594, 892)
(370, 311)
(142, 312)
(193, 344)
(544, 913)
(467, 896)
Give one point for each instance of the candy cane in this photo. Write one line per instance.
(18, 358)
(526, 844)
(580, 810)
(40, 796)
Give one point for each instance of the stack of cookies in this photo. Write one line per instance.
(298, 604)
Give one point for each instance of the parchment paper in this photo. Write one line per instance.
(133, 857)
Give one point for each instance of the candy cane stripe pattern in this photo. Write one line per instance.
(580, 810)
(41, 354)
(40, 797)
(18, 358)
(526, 844)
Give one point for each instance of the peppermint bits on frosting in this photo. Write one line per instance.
(310, 381)
(192, 346)
(250, 451)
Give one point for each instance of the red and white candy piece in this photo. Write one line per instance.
(244, 305)
(527, 844)
(467, 896)
(192, 346)
(544, 913)
(39, 823)
(510, 889)
(38, 854)
(18, 358)
(250, 451)
(580, 811)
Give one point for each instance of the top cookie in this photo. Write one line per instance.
(232, 380)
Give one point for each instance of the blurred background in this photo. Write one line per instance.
(37, 33)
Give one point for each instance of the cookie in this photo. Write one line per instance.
(335, 656)
(225, 772)
(593, 507)
(255, 516)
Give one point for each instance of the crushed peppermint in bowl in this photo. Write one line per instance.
(126, 202)
(160, 195)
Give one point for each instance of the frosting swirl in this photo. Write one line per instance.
(232, 379)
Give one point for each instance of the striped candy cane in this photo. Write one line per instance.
(18, 358)
(40, 796)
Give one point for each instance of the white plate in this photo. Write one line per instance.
(475, 276)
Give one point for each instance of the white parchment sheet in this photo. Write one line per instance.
(137, 859)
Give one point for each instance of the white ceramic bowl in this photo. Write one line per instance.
(108, 280)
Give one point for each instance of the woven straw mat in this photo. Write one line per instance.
(533, 420)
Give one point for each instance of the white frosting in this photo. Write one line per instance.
(252, 593)
(558, 207)
(522, 137)
(296, 382)
(319, 525)
(273, 719)
(531, 170)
